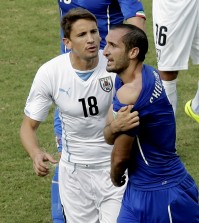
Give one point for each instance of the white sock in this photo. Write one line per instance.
(195, 102)
(171, 92)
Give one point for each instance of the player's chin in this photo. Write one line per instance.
(92, 55)
(110, 68)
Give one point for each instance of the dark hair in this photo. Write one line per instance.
(134, 37)
(72, 16)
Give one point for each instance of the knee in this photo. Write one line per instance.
(168, 75)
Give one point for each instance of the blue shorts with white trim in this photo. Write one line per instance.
(177, 204)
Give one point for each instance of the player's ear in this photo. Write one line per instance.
(133, 53)
(67, 43)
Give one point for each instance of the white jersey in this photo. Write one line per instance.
(83, 107)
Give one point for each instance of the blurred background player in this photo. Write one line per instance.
(108, 13)
(176, 36)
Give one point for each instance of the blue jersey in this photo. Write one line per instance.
(107, 12)
(155, 163)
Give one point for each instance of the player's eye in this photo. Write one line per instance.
(112, 44)
(81, 34)
(94, 31)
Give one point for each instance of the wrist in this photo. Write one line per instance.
(34, 153)
(113, 127)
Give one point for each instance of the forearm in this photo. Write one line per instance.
(111, 132)
(138, 21)
(30, 143)
(29, 139)
(120, 158)
(118, 172)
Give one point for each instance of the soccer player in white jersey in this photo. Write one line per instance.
(176, 36)
(82, 89)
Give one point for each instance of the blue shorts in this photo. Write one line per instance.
(177, 204)
(56, 207)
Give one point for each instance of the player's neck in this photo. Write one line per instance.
(83, 64)
(131, 73)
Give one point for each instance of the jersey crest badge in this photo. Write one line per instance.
(106, 83)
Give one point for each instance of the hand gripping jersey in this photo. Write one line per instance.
(107, 12)
(83, 106)
(155, 163)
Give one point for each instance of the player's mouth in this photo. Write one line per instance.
(92, 49)
(109, 62)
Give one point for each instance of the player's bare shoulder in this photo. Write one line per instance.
(129, 93)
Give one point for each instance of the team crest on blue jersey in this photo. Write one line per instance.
(106, 83)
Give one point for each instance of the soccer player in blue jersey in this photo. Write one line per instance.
(108, 13)
(159, 189)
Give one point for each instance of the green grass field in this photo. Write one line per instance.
(30, 36)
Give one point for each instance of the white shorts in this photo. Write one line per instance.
(176, 33)
(87, 193)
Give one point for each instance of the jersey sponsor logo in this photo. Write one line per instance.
(106, 83)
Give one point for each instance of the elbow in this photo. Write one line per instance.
(118, 162)
(108, 140)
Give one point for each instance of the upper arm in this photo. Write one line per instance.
(40, 96)
(131, 8)
(138, 21)
(133, 12)
(29, 123)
